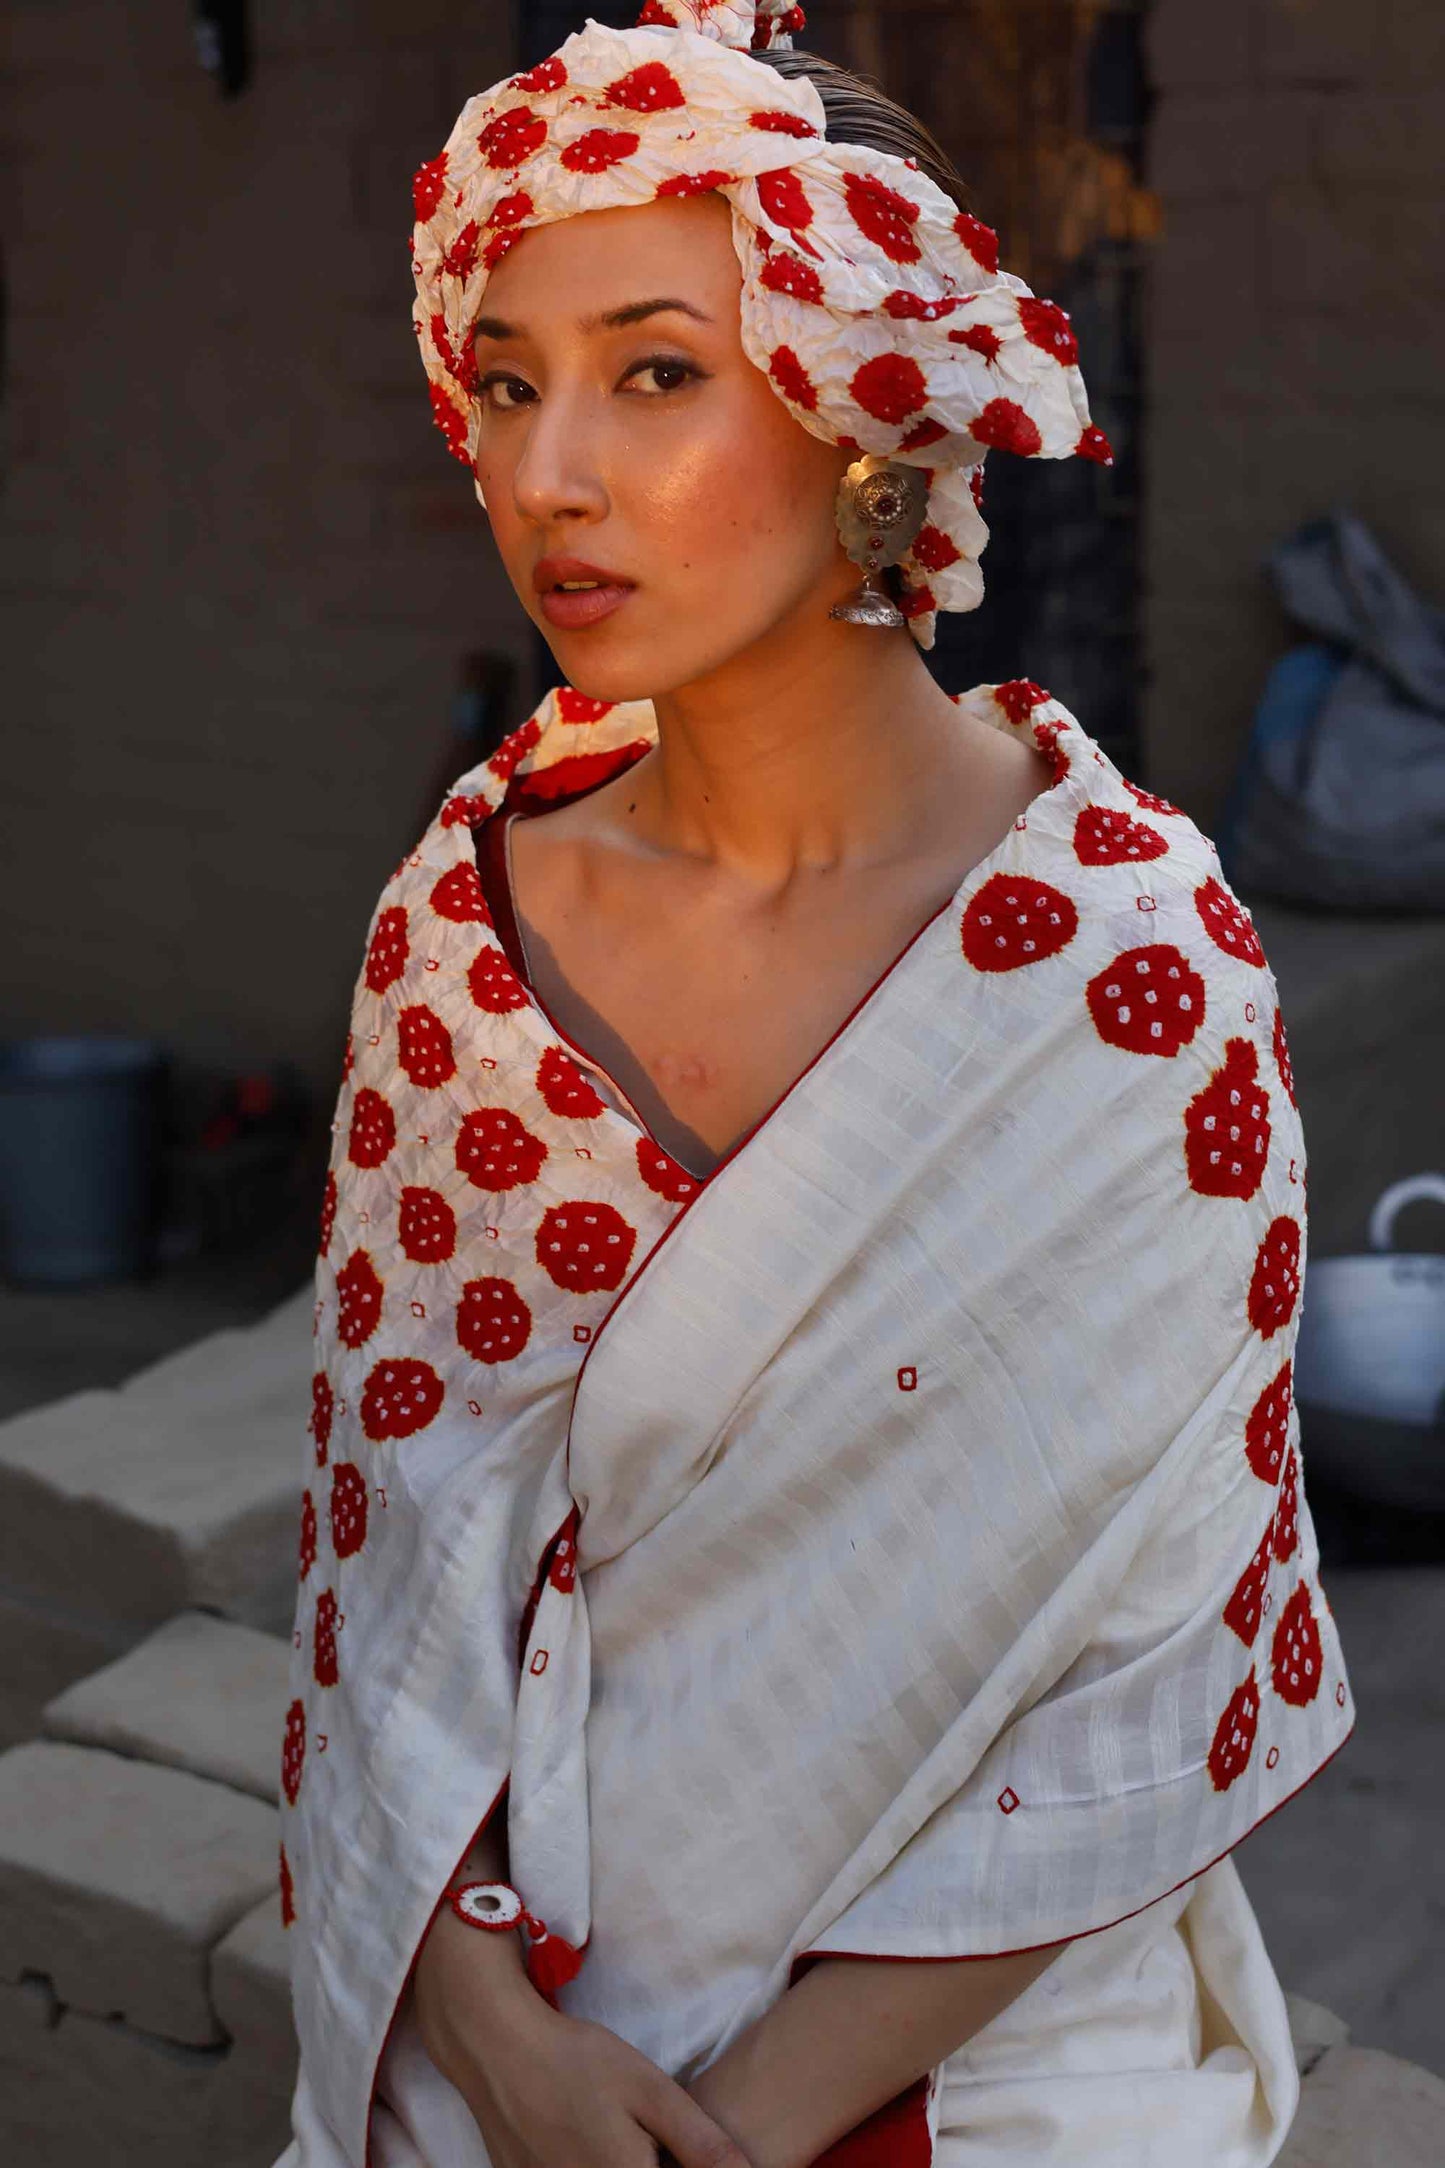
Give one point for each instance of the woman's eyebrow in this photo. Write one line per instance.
(635, 312)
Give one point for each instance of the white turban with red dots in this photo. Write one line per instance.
(875, 306)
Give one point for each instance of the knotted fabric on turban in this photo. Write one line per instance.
(875, 306)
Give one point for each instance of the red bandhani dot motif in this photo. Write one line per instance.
(1275, 1283)
(576, 772)
(512, 138)
(562, 1572)
(575, 707)
(784, 199)
(1281, 1058)
(1267, 1426)
(399, 1399)
(512, 210)
(1004, 426)
(1296, 1658)
(1149, 1000)
(293, 1752)
(497, 248)
(785, 273)
(922, 434)
(1103, 836)
(1047, 325)
(979, 339)
(460, 260)
(494, 1323)
(426, 1227)
(882, 216)
(451, 421)
(655, 12)
(359, 1297)
(496, 1150)
(1226, 1127)
(1018, 697)
(387, 955)
(1150, 800)
(917, 602)
(585, 1246)
(471, 811)
(459, 898)
(328, 1209)
(424, 1048)
(935, 550)
(513, 748)
(975, 486)
(693, 184)
(652, 88)
(662, 1174)
(565, 1089)
(1234, 1736)
(288, 1891)
(599, 149)
(348, 1058)
(373, 1129)
(1245, 1607)
(1286, 1513)
(306, 1549)
(349, 1509)
(494, 985)
(980, 240)
(323, 1412)
(1226, 922)
(1014, 921)
(773, 122)
(1047, 737)
(791, 378)
(427, 184)
(547, 75)
(916, 308)
(890, 386)
(323, 1662)
(1093, 445)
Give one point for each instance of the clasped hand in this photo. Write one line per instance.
(547, 2090)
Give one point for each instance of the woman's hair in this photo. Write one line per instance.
(859, 112)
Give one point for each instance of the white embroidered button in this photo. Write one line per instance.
(489, 1904)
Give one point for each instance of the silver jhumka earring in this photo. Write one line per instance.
(882, 504)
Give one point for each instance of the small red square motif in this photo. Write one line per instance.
(1008, 1799)
(907, 1379)
(582, 1332)
(539, 1663)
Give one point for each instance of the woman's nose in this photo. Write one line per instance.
(558, 474)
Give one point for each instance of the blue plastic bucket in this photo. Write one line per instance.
(79, 1158)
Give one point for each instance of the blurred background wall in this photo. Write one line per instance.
(1296, 322)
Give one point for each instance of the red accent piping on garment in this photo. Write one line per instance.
(808, 1958)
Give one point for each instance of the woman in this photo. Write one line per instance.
(915, 1567)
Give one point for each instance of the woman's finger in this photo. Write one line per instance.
(686, 2131)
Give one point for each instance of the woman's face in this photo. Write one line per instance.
(627, 440)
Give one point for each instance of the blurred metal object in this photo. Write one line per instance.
(223, 44)
(1370, 1363)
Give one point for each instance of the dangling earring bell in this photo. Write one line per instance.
(882, 504)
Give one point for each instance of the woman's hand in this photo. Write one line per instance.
(547, 2090)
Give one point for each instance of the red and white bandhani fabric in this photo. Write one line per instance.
(874, 306)
(891, 1544)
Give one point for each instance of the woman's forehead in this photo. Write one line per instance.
(597, 262)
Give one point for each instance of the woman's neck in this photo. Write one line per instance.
(806, 756)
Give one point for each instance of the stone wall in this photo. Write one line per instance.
(238, 569)
(1295, 336)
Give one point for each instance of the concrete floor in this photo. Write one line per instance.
(1348, 1878)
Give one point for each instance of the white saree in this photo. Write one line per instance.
(900, 1531)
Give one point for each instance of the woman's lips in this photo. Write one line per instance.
(573, 608)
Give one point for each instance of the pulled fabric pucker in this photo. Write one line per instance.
(875, 306)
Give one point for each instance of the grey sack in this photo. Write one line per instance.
(1344, 805)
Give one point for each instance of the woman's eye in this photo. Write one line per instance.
(518, 392)
(666, 372)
